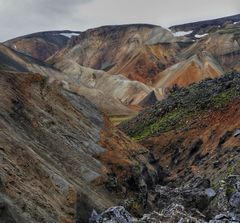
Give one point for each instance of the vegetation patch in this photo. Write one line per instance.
(3, 67)
(223, 98)
(169, 121)
(229, 30)
(117, 119)
(182, 105)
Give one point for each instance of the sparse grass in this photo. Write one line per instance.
(230, 190)
(229, 30)
(117, 119)
(234, 169)
(231, 170)
(51, 62)
(171, 120)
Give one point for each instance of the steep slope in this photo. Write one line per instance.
(41, 45)
(184, 103)
(194, 69)
(50, 141)
(60, 157)
(10, 60)
(194, 134)
(193, 127)
(14, 61)
(135, 51)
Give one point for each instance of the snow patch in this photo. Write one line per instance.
(201, 36)
(236, 23)
(167, 29)
(69, 35)
(182, 33)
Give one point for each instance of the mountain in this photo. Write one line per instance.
(150, 54)
(41, 45)
(138, 51)
(192, 70)
(121, 97)
(222, 44)
(210, 94)
(156, 56)
(56, 151)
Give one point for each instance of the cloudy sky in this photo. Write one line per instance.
(19, 17)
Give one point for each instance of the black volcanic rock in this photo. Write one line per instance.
(149, 100)
(196, 26)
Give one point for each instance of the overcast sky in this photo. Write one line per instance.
(19, 17)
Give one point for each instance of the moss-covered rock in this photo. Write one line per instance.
(182, 105)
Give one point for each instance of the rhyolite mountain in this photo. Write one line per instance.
(116, 95)
(157, 57)
(177, 159)
(43, 44)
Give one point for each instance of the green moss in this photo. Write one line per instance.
(3, 67)
(134, 207)
(171, 120)
(234, 169)
(177, 118)
(223, 98)
(230, 190)
(215, 185)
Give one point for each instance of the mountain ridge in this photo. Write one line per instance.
(204, 23)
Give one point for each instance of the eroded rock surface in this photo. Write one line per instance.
(56, 149)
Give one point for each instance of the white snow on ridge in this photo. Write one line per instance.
(235, 23)
(182, 33)
(200, 36)
(69, 35)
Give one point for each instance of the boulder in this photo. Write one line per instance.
(235, 201)
(112, 215)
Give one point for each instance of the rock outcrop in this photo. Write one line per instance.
(177, 208)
